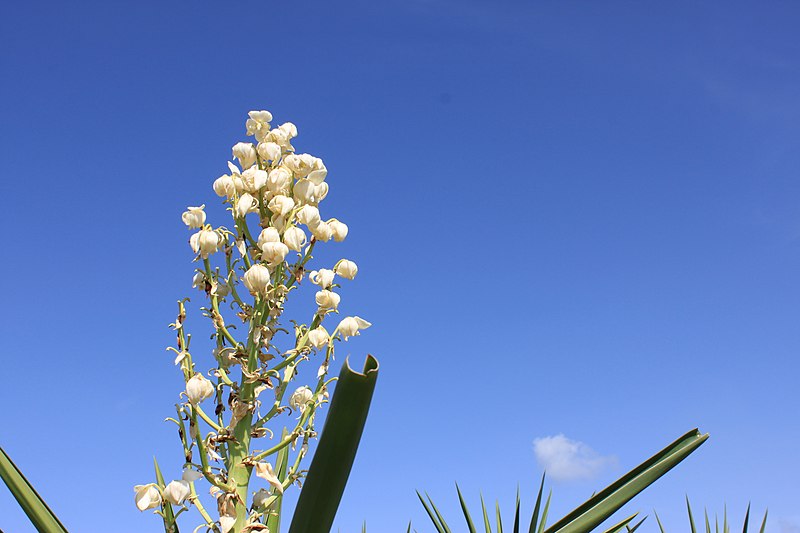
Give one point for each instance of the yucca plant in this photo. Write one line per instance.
(717, 528)
(593, 512)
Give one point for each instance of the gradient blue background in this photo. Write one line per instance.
(569, 217)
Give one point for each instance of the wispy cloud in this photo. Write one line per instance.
(565, 459)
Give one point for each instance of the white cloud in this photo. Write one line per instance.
(565, 459)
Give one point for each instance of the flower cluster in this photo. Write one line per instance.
(249, 273)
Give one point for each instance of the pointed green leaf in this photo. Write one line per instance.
(324, 485)
(606, 502)
(499, 519)
(535, 517)
(34, 506)
(691, 518)
(660, 525)
(516, 513)
(486, 523)
(546, 510)
(616, 528)
(169, 515)
(439, 527)
(636, 526)
(464, 509)
(764, 522)
(281, 467)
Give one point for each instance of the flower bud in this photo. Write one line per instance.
(269, 151)
(327, 300)
(308, 215)
(350, 326)
(147, 496)
(339, 229)
(274, 253)
(256, 279)
(294, 238)
(268, 235)
(224, 186)
(176, 491)
(318, 337)
(322, 231)
(198, 389)
(322, 277)
(245, 153)
(346, 269)
(281, 205)
(246, 204)
(205, 242)
(301, 397)
(195, 217)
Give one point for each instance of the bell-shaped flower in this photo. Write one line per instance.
(194, 217)
(308, 215)
(318, 172)
(318, 337)
(198, 388)
(224, 186)
(274, 253)
(205, 242)
(300, 164)
(176, 491)
(256, 279)
(246, 204)
(147, 496)
(327, 300)
(339, 229)
(254, 179)
(322, 277)
(199, 281)
(306, 192)
(301, 397)
(322, 231)
(269, 151)
(258, 124)
(294, 238)
(245, 153)
(281, 205)
(264, 471)
(279, 180)
(268, 235)
(346, 269)
(350, 326)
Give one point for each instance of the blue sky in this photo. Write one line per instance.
(570, 218)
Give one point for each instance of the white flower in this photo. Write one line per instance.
(268, 235)
(205, 242)
(274, 253)
(260, 498)
(279, 180)
(306, 192)
(256, 279)
(254, 179)
(245, 153)
(176, 491)
(199, 281)
(288, 129)
(346, 269)
(308, 215)
(226, 523)
(258, 124)
(195, 217)
(191, 475)
(322, 231)
(339, 229)
(220, 289)
(270, 151)
(300, 164)
(281, 205)
(198, 389)
(147, 496)
(264, 471)
(224, 186)
(301, 397)
(294, 238)
(327, 300)
(322, 277)
(279, 223)
(246, 204)
(318, 337)
(350, 326)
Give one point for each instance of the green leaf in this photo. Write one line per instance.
(606, 502)
(535, 517)
(516, 514)
(438, 515)
(34, 506)
(499, 519)
(660, 525)
(616, 528)
(467, 517)
(327, 476)
(746, 519)
(764, 522)
(546, 510)
(439, 527)
(486, 523)
(636, 526)
(691, 518)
